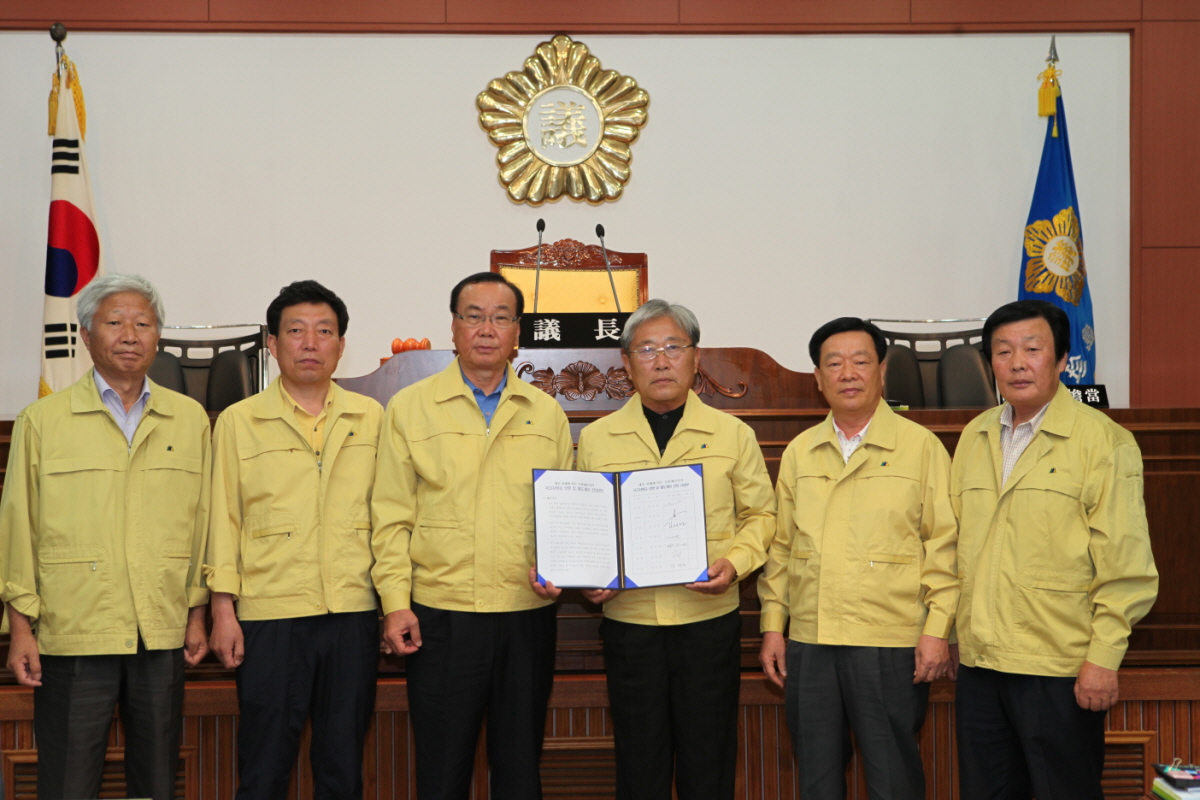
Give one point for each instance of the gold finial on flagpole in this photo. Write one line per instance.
(1049, 91)
(65, 77)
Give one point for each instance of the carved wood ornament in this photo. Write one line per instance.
(584, 381)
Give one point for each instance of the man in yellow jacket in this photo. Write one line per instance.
(453, 508)
(102, 528)
(1055, 560)
(672, 654)
(290, 542)
(861, 574)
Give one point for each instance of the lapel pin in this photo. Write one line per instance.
(169, 447)
(704, 445)
(883, 463)
(528, 422)
(1052, 470)
(351, 433)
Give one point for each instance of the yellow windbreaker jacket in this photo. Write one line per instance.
(739, 504)
(291, 529)
(865, 552)
(453, 500)
(101, 539)
(1056, 564)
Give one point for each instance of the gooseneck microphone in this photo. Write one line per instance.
(608, 266)
(537, 275)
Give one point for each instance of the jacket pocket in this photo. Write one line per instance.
(356, 559)
(271, 556)
(69, 485)
(439, 547)
(888, 590)
(1053, 615)
(171, 488)
(804, 575)
(76, 589)
(173, 572)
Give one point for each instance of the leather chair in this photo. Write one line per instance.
(167, 372)
(965, 378)
(229, 380)
(196, 356)
(902, 381)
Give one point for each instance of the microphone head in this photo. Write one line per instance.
(541, 225)
(600, 231)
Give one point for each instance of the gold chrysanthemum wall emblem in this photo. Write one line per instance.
(563, 125)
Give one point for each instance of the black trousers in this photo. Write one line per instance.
(673, 695)
(471, 664)
(325, 665)
(833, 689)
(72, 714)
(1024, 735)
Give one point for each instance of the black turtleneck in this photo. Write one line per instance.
(663, 425)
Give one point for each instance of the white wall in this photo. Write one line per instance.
(781, 180)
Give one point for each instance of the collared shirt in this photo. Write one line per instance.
(487, 402)
(290, 538)
(739, 506)
(1013, 441)
(849, 443)
(102, 540)
(663, 425)
(126, 420)
(453, 497)
(313, 426)
(865, 550)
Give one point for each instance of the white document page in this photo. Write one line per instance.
(662, 518)
(575, 517)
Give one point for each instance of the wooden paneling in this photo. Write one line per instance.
(132, 11)
(556, 12)
(1170, 10)
(983, 11)
(1157, 719)
(322, 11)
(1170, 147)
(1169, 323)
(785, 12)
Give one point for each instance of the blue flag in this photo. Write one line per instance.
(1053, 268)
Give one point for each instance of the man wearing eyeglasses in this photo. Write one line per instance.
(672, 653)
(453, 542)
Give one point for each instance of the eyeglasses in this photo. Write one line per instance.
(671, 351)
(475, 320)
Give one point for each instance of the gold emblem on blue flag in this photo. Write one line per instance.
(1055, 253)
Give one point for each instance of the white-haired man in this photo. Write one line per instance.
(102, 531)
(672, 654)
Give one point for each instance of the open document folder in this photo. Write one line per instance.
(620, 530)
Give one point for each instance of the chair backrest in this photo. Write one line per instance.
(929, 348)
(196, 355)
(573, 277)
(168, 372)
(902, 380)
(229, 380)
(965, 379)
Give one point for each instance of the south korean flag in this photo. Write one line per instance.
(73, 254)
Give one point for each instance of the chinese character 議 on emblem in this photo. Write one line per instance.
(545, 330)
(563, 125)
(607, 328)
